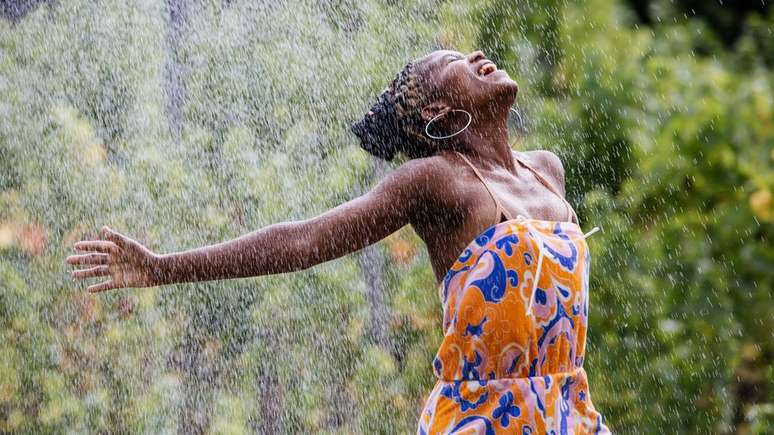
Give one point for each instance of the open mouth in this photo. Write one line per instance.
(486, 69)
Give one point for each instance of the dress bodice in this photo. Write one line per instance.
(515, 317)
(515, 307)
(516, 303)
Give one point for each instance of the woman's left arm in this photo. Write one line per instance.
(400, 198)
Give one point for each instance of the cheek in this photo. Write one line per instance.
(445, 81)
(457, 84)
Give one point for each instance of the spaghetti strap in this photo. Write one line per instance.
(571, 212)
(500, 209)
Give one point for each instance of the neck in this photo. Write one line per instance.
(487, 140)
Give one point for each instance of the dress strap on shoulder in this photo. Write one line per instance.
(570, 211)
(500, 209)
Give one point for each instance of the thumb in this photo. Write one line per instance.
(113, 236)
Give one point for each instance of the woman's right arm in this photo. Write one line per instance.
(404, 195)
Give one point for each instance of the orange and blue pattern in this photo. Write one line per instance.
(515, 320)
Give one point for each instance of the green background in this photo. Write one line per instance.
(183, 123)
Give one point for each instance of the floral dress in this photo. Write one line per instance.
(515, 306)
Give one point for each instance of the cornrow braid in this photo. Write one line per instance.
(394, 124)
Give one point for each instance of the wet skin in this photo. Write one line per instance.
(439, 196)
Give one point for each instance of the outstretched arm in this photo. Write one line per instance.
(397, 200)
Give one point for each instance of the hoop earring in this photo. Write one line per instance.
(427, 127)
(521, 121)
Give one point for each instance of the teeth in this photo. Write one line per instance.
(487, 69)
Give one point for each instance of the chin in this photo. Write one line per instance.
(507, 84)
(502, 87)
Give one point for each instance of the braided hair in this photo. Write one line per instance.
(394, 124)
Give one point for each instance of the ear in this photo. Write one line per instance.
(434, 109)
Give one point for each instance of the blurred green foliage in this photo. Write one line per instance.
(665, 128)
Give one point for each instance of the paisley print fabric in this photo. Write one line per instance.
(515, 319)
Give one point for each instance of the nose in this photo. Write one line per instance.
(476, 56)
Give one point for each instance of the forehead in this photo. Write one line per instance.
(438, 56)
(433, 62)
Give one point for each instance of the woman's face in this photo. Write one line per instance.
(470, 82)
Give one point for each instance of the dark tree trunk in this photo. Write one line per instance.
(749, 386)
(193, 417)
(15, 10)
(372, 263)
(174, 85)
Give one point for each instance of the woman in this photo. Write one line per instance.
(514, 291)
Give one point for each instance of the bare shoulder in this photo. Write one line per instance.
(548, 163)
(431, 172)
(542, 159)
(426, 167)
(432, 178)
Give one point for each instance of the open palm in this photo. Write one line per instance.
(125, 262)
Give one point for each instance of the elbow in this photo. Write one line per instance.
(314, 243)
(301, 250)
(307, 243)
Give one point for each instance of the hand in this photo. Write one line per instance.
(126, 262)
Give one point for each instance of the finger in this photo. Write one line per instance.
(91, 272)
(101, 287)
(113, 236)
(88, 259)
(96, 245)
